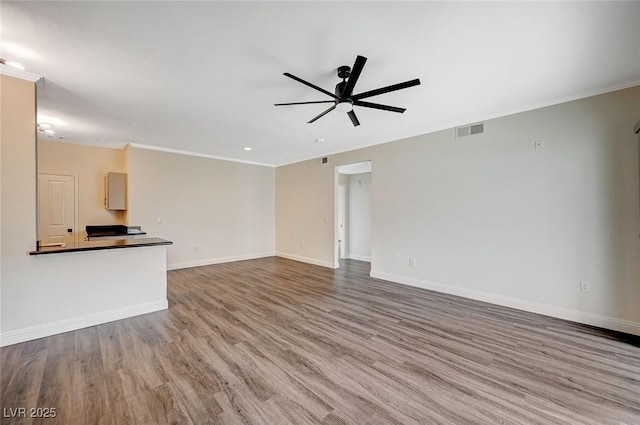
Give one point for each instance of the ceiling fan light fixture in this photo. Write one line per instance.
(344, 106)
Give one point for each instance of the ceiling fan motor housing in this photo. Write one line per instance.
(344, 71)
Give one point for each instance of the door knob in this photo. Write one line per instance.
(70, 230)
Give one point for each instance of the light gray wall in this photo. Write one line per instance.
(491, 218)
(212, 210)
(305, 222)
(359, 213)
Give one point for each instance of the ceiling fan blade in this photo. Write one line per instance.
(308, 84)
(304, 103)
(353, 77)
(322, 114)
(387, 89)
(379, 106)
(353, 117)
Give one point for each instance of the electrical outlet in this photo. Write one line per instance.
(301, 244)
(412, 262)
(159, 220)
(585, 286)
(196, 249)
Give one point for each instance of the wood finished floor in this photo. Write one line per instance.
(273, 341)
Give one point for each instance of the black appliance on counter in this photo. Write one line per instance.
(113, 231)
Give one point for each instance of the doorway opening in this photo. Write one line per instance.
(353, 212)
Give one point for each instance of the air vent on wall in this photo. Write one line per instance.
(470, 130)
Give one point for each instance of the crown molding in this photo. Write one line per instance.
(201, 155)
(18, 73)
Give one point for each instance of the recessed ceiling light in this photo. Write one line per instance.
(44, 125)
(320, 140)
(248, 149)
(50, 132)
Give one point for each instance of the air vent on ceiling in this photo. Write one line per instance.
(470, 130)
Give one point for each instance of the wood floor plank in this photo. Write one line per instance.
(157, 407)
(57, 379)
(283, 410)
(248, 377)
(127, 391)
(62, 343)
(24, 387)
(10, 362)
(274, 341)
(288, 388)
(240, 406)
(91, 399)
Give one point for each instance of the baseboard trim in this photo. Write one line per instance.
(309, 260)
(606, 322)
(218, 260)
(61, 326)
(359, 257)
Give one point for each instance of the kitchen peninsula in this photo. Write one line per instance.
(60, 289)
(93, 282)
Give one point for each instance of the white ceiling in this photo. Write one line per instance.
(203, 76)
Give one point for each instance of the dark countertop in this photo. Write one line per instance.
(101, 244)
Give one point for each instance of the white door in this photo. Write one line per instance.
(341, 219)
(56, 209)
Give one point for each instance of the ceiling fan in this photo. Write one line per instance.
(343, 98)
